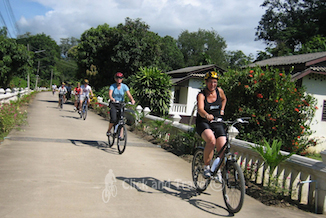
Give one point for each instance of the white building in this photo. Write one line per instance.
(187, 82)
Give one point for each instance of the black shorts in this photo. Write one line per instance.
(217, 128)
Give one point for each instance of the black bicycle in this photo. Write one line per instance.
(61, 100)
(84, 108)
(119, 130)
(233, 182)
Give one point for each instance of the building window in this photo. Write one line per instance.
(323, 118)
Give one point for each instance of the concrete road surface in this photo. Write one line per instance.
(58, 166)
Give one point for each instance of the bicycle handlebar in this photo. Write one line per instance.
(238, 120)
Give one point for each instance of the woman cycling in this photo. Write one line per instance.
(211, 102)
(116, 93)
(85, 91)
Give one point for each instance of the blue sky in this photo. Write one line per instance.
(234, 21)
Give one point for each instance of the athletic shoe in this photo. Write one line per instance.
(207, 172)
(218, 177)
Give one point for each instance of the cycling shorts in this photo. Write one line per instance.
(82, 97)
(217, 128)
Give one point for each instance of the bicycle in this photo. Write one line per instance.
(61, 100)
(233, 182)
(107, 192)
(116, 130)
(84, 108)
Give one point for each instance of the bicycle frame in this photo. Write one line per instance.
(227, 155)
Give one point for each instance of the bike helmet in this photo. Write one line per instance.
(118, 74)
(86, 81)
(212, 74)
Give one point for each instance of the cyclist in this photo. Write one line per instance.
(211, 102)
(116, 94)
(85, 90)
(62, 91)
(54, 88)
(77, 91)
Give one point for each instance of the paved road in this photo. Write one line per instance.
(56, 167)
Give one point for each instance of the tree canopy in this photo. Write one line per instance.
(125, 48)
(287, 24)
(202, 47)
(14, 60)
(46, 52)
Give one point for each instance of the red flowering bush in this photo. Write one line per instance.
(278, 109)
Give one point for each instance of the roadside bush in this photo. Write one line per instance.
(151, 88)
(279, 109)
(12, 115)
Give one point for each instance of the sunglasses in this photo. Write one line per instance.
(118, 77)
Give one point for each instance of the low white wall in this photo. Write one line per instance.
(301, 178)
(11, 95)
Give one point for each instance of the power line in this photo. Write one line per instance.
(4, 22)
(12, 17)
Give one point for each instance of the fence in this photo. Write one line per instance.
(11, 95)
(301, 179)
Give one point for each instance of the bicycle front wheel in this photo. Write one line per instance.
(122, 138)
(233, 187)
(200, 182)
(85, 107)
(111, 137)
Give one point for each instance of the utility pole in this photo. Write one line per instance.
(28, 72)
(38, 69)
(51, 78)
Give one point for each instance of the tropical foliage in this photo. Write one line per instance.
(12, 114)
(151, 88)
(278, 109)
(14, 61)
(202, 47)
(288, 24)
(271, 154)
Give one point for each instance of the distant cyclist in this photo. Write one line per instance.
(85, 90)
(77, 91)
(116, 93)
(54, 88)
(62, 92)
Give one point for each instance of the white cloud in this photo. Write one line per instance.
(233, 21)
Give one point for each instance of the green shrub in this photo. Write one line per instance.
(12, 115)
(151, 88)
(278, 108)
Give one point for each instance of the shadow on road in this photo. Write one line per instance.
(175, 188)
(97, 144)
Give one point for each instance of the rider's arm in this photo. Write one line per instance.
(223, 100)
(200, 107)
(110, 95)
(91, 91)
(130, 97)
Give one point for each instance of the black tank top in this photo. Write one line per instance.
(213, 108)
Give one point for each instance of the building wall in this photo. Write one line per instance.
(316, 86)
(195, 85)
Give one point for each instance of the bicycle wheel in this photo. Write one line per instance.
(85, 107)
(233, 187)
(106, 194)
(200, 182)
(61, 100)
(111, 137)
(122, 140)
